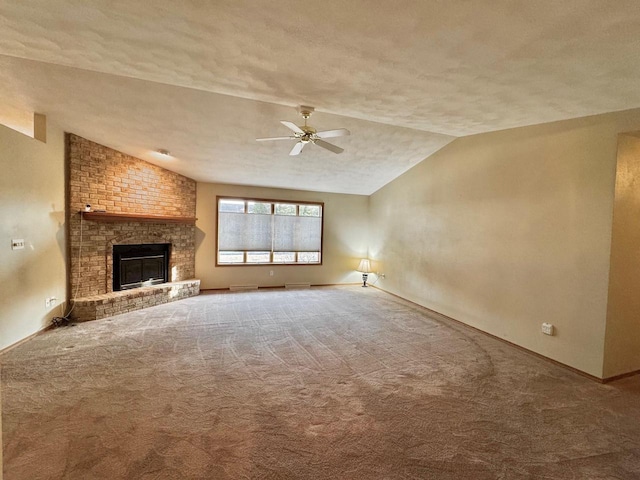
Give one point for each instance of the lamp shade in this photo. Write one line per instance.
(365, 266)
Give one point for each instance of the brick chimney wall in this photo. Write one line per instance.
(118, 183)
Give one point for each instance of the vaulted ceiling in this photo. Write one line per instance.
(204, 79)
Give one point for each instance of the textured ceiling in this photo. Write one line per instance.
(211, 136)
(453, 68)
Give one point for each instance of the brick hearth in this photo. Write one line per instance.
(115, 303)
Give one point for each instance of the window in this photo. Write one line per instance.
(259, 232)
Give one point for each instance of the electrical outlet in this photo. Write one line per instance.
(547, 329)
(17, 244)
(381, 275)
(49, 302)
(271, 273)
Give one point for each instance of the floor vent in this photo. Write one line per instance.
(235, 288)
(297, 285)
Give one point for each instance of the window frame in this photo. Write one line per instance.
(273, 201)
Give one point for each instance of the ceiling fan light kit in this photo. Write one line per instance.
(307, 134)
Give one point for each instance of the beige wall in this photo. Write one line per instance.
(345, 239)
(32, 208)
(507, 230)
(622, 340)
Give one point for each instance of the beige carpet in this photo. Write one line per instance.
(327, 383)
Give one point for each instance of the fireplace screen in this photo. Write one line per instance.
(140, 265)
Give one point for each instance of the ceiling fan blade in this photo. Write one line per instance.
(340, 132)
(329, 146)
(297, 148)
(273, 138)
(292, 126)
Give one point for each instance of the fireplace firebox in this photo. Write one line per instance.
(140, 265)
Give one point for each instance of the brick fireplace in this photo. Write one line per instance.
(132, 202)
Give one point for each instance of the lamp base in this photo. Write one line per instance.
(364, 279)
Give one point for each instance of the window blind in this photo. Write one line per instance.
(240, 231)
(296, 234)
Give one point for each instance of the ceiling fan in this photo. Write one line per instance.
(307, 134)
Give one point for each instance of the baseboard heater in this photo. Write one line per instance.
(235, 288)
(297, 285)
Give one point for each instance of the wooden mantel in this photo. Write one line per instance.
(135, 217)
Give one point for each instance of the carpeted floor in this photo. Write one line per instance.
(327, 383)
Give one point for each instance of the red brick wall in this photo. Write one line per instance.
(115, 182)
